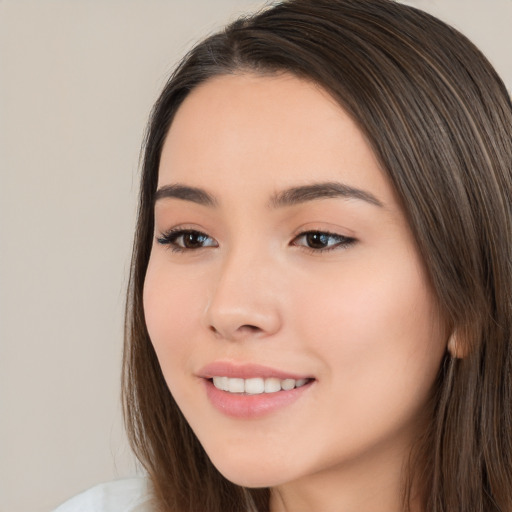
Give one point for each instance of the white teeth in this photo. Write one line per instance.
(256, 385)
(287, 384)
(221, 383)
(236, 385)
(272, 385)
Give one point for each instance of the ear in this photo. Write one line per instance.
(456, 347)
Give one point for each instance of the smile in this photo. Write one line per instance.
(256, 385)
(249, 400)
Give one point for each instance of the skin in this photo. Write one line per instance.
(360, 318)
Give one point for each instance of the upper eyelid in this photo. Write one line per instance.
(322, 231)
(328, 233)
(177, 232)
(180, 229)
(324, 226)
(187, 229)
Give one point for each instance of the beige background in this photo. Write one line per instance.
(77, 80)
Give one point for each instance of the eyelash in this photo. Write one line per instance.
(170, 238)
(341, 241)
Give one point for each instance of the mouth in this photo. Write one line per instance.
(256, 385)
(248, 391)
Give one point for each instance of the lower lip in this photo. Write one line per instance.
(252, 406)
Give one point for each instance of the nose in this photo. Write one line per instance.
(245, 301)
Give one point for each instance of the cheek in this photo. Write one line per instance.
(171, 310)
(375, 322)
(378, 333)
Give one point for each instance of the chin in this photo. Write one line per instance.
(254, 474)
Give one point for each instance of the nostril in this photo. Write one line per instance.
(251, 328)
(245, 329)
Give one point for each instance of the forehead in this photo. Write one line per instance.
(251, 130)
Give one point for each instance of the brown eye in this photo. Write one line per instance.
(193, 240)
(186, 240)
(318, 241)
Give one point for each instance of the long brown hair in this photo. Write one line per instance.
(439, 120)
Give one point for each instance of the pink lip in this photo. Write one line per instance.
(249, 406)
(252, 406)
(245, 371)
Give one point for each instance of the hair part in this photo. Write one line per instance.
(439, 121)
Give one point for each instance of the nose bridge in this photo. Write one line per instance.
(244, 300)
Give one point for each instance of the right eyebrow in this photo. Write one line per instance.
(185, 193)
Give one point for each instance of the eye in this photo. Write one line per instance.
(319, 241)
(181, 240)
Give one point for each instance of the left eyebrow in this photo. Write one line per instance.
(302, 194)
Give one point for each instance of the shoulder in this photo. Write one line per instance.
(129, 495)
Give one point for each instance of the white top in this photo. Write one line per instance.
(130, 495)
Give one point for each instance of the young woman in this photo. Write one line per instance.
(319, 313)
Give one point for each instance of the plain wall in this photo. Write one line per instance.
(77, 80)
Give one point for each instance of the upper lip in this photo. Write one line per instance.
(245, 371)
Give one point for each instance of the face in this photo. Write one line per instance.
(285, 297)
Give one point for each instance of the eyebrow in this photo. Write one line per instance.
(331, 189)
(289, 197)
(186, 193)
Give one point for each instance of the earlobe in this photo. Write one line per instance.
(455, 347)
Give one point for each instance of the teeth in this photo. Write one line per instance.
(272, 385)
(236, 385)
(221, 383)
(257, 385)
(287, 384)
(254, 386)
